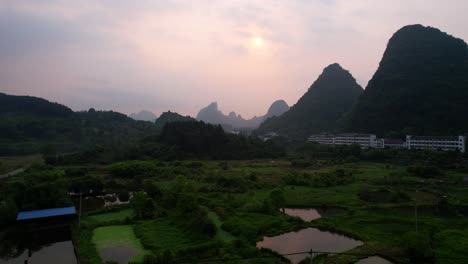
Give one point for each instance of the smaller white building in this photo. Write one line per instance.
(436, 143)
(268, 136)
(393, 143)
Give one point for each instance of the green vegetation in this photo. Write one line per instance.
(162, 234)
(186, 210)
(108, 236)
(121, 235)
(169, 117)
(204, 209)
(11, 163)
(112, 216)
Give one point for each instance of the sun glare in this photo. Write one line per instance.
(258, 42)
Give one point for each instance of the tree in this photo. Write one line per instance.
(277, 198)
(143, 205)
(8, 212)
(152, 189)
(418, 247)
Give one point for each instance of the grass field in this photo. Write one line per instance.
(118, 235)
(112, 216)
(221, 234)
(11, 163)
(161, 234)
(382, 225)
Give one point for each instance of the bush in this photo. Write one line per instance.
(424, 171)
(417, 247)
(123, 196)
(143, 205)
(383, 196)
(131, 169)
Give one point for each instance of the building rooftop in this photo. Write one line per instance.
(26, 215)
(353, 135)
(448, 138)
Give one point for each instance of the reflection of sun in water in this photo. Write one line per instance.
(258, 42)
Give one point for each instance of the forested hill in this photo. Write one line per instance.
(168, 117)
(319, 109)
(28, 124)
(420, 87)
(29, 105)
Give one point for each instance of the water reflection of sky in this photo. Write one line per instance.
(309, 214)
(60, 252)
(306, 239)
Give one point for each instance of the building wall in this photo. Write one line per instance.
(412, 142)
(436, 143)
(364, 140)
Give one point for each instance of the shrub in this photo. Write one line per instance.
(123, 196)
(131, 169)
(418, 247)
(424, 171)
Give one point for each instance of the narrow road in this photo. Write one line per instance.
(11, 173)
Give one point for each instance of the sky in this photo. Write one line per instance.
(179, 55)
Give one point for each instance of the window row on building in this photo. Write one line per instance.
(371, 141)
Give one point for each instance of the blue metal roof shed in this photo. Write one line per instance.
(26, 215)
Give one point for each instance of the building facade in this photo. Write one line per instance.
(327, 139)
(436, 143)
(363, 140)
(454, 143)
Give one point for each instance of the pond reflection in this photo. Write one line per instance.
(306, 239)
(309, 214)
(120, 254)
(37, 247)
(374, 260)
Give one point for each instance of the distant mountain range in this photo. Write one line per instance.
(144, 115)
(327, 100)
(420, 87)
(211, 114)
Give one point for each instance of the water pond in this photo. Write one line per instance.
(374, 260)
(121, 254)
(38, 247)
(309, 214)
(306, 239)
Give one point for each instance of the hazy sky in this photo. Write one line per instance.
(182, 55)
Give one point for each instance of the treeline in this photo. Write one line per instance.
(310, 154)
(179, 141)
(25, 133)
(200, 140)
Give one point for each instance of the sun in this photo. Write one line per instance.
(258, 42)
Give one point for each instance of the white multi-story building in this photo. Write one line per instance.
(412, 142)
(363, 140)
(327, 139)
(436, 143)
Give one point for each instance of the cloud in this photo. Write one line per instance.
(23, 35)
(181, 55)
